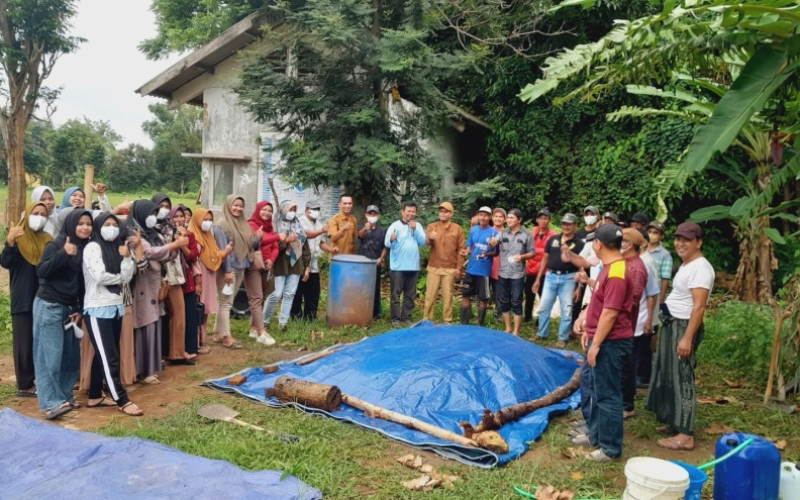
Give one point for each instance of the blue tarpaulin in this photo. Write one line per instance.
(442, 375)
(44, 461)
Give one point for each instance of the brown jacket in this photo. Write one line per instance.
(446, 248)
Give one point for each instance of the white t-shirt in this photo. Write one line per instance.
(696, 274)
(650, 290)
(593, 272)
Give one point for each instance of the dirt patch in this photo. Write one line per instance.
(179, 385)
(4, 280)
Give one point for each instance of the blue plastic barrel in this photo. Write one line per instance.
(351, 290)
(752, 474)
(697, 479)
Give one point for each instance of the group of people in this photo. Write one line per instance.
(141, 279)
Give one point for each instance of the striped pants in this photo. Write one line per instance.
(105, 335)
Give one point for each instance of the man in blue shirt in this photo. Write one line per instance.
(481, 247)
(403, 239)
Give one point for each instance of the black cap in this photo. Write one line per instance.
(608, 234)
(373, 208)
(544, 212)
(640, 218)
(611, 215)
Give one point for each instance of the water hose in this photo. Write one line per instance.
(710, 464)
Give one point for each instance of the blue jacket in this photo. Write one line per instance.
(404, 251)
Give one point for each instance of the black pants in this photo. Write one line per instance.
(22, 331)
(308, 292)
(405, 283)
(629, 368)
(104, 334)
(190, 301)
(530, 297)
(644, 353)
(376, 307)
(577, 306)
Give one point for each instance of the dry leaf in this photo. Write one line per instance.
(317, 335)
(577, 476)
(735, 385)
(417, 462)
(548, 492)
(573, 452)
(406, 460)
(780, 444)
(718, 429)
(717, 400)
(418, 484)
(426, 469)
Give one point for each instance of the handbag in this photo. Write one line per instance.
(258, 261)
(163, 291)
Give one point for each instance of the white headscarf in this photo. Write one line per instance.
(53, 226)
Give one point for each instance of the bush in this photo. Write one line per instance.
(5, 324)
(738, 337)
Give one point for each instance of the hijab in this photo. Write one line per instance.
(141, 210)
(69, 230)
(164, 226)
(294, 249)
(110, 249)
(31, 244)
(236, 229)
(68, 194)
(159, 197)
(265, 225)
(52, 225)
(210, 256)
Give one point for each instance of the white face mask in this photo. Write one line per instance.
(150, 221)
(37, 222)
(291, 215)
(206, 225)
(372, 220)
(590, 220)
(109, 233)
(162, 213)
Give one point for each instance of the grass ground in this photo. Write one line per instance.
(346, 462)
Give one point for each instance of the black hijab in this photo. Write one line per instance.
(110, 249)
(69, 229)
(163, 226)
(140, 211)
(158, 198)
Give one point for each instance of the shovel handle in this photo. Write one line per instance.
(286, 438)
(245, 424)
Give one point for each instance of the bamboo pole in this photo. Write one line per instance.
(776, 342)
(315, 357)
(375, 411)
(88, 180)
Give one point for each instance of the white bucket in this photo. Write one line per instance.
(655, 479)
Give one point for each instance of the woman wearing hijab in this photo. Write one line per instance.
(294, 257)
(56, 314)
(232, 228)
(24, 247)
(107, 267)
(146, 287)
(183, 343)
(210, 262)
(262, 279)
(46, 195)
(74, 197)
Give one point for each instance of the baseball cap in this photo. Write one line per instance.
(689, 230)
(611, 215)
(485, 209)
(593, 209)
(640, 218)
(312, 204)
(633, 236)
(373, 208)
(607, 233)
(501, 210)
(569, 218)
(543, 212)
(658, 225)
(447, 206)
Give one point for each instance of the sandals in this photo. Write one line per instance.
(104, 402)
(30, 393)
(203, 349)
(150, 380)
(234, 346)
(674, 443)
(57, 412)
(131, 410)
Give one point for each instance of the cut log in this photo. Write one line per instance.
(270, 369)
(237, 380)
(493, 421)
(322, 396)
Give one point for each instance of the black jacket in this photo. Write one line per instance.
(24, 282)
(60, 280)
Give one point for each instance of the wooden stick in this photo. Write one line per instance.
(375, 411)
(88, 180)
(776, 342)
(315, 357)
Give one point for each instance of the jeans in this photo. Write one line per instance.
(586, 391)
(561, 286)
(509, 295)
(605, 415)
(285, 288)
(405, 283)
(56, 354)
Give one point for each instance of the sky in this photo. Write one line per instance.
(99, 79)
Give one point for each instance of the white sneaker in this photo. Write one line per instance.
(266, 339)
(600, 456)
(253, 334)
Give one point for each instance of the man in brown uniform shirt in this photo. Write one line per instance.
(343, 228)
(445, 264)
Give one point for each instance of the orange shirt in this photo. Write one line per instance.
(347, 241)
(446, 248)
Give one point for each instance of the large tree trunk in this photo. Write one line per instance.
(17, 187)
(757, 263)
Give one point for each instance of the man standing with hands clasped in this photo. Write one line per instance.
(403, 239)
(343, 228)
(372, 236)
(446, 262)
(608, 339)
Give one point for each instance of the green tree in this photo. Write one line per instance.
(77, 143)
(33, 35)
(175, 132)
(132, 170)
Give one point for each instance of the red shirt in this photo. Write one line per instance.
(613, 290)
(186, 263)
(539, 241)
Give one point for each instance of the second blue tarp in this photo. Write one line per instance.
(442, 375)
